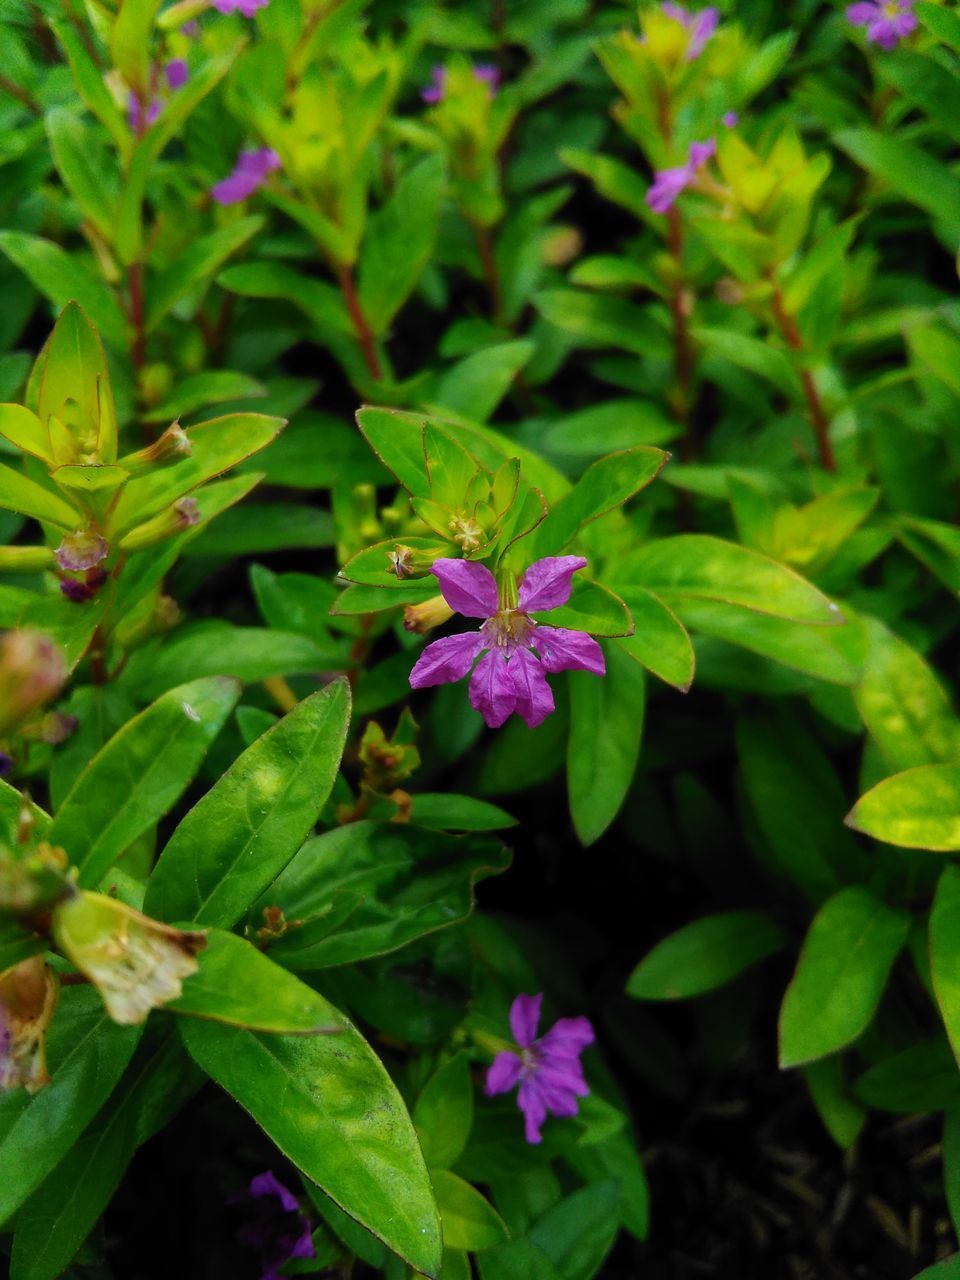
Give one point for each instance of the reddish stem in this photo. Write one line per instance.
(361, 325)
(139, 351)
(491, 275)
(818, 418)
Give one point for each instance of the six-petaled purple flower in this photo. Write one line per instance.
(437, 88)
(246, 8)
(277, 1232)
(700, 26)
(547, 1069)
(511, 676)
(887, 21)
(668, 183)
(249, 173)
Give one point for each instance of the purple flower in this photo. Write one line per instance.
(437, 88)
(137, 118)
(701, 26)
(176, 73)
(887, 21)
(249, 173)
(548, 1069)
(81, 550)
(668, 183)
(730, 119)
(247, 8)
(277, 1234)
(510, 677)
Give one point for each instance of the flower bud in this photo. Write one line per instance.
(423, 617)
(25, 559)
(84, 549)
(561, 245)
(173, 445)
(137, 964)
(32, 881)
(406, 562)
(28, 999)
(183, 514)
(32, 671)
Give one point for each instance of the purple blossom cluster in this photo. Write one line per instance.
(277, 1229)
(249, 174)
(547, 1069)
(437, 88)
(517, 651)
(887, 21)
(246, 8)
(699, 26)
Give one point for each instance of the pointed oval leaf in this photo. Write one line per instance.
(916, 809)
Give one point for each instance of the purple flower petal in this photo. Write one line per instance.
(81, 550)
(534, 1109)
(446, 660)
(534, 695)
(701, 152)
(548, 582)
(561, 649)
(525, 1018)
(503, 1073)
(863, 12)
(492, 691)
(730, 119)
(434, 92)
(666, 186)
(268, 1184)
(468, 588)
(249, 173)
(568, 1035)
(176, 73)
(488, 74)
(702, 28)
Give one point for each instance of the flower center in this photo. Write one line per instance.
(508, 629)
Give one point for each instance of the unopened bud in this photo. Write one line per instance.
(560, 246)
(25, 559)
(84, 549)
(32, 671)
(410, 562)
(173, 445)
(423, 617)
(137, 964)
(729, 291)
(28, 999)
(32, 881)
(183, 514)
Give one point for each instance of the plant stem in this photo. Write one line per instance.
(491, 275)
(139, 350)
(23, 96)
(361, 325)
(818, 417)
(682, 351)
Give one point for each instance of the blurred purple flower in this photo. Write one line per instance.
(510, 677)
(190, 29)
(701, 26)
(277, 1234)
(668, 183)
(6, 764)
(137, 118)
(548, 1069)
(247, 8)
(436, 89)
(80, 592)
(887, 21)
(249, 173)
(176, 73)
(730, 119)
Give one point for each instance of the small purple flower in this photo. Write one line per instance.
(176, 73)
(887, 21)
(437, 88)
(277, 1234)
(137, 118)
(700, 26)
(548, 1069)
(190, 29)
(247, 8)
(668, 183)
(249, 173)
(81, 550)
(730, 119)
(510, 677)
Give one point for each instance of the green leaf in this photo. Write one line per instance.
(921, 1078)
(367, 888)
(239, 985)
(218, 648)
(904, 705)
(63, 278)
(87, 1054)
(17, 493)
(140, 774)
(441, 811)
(469, 1221)
(753, 354)
(606, 725)
(707, 568)
(213, 386)
(216, 446)
(705, 955)
(319, 301)
(59, 1216)
(945, 952)
(248, 826)
(331, 1108)
(578, 1233)
(25, 431)
(444, 1113)
(660, 641)
(398, 242)
(605, 485)
(841, 974)
(90, 84)
(130, 42)
(397, 440)
(601, 321)
(195, 266)
(84, 167)
(75, 385)
(842, 1116)
(922, 80)
(944, 23)
(592, 608)
(949, 1269)
(798, 802)
(371, 567)
(916, 809)
(476, 385)
(911, 173)
(18, 943)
